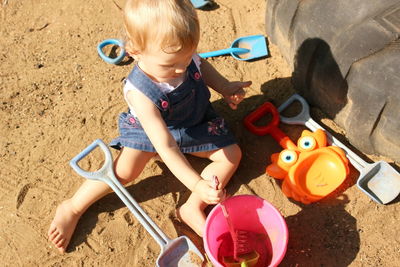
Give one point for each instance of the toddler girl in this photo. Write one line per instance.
(169, 114)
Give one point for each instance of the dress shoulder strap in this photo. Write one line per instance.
(144, 84)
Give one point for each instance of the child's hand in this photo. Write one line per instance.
(205, 189)
(234, 93)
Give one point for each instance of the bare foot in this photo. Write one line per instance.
(192, 216)
(63, 225)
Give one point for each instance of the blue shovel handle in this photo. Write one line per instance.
(106, 174)
(107, 59)
(200, 3)
(103, 171)
(231, 50)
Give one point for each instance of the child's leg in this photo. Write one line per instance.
(128, 165)
(224, 163)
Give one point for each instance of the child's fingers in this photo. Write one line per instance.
(217, 199)
(212, 197)
(246, 84)
(238, 98)
(214, 183)
(234, 100)
(238, 93)
(223, 195)
(233, 106)
(217, 195)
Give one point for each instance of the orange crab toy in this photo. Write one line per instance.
(310, 170)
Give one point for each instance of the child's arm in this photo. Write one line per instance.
(232, 92)
(166, 146)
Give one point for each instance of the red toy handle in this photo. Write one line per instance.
(271, 128)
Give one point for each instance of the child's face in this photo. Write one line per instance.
(165, 67)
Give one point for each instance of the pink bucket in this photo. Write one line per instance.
(252, 214)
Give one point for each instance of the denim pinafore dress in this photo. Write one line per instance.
(186, 110)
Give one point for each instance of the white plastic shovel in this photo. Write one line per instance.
(174, 252)
(379, 180)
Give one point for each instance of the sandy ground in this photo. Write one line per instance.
(57, 96)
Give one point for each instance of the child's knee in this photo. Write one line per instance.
(125, 174)
(130, 163)
(234, 154)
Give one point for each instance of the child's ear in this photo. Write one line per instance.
(134, 53)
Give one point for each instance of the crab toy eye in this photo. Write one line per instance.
(288, 156)
(307, 143)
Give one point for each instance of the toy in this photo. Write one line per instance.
(243, 48)
(310, 170)
(200, 3)
(379, 180)
(108, 59)
(266, 226)
(242, 252)
(176, 252)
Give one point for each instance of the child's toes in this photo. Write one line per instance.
(53, 235)
(57, 239)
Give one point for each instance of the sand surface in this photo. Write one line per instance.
(57, 96)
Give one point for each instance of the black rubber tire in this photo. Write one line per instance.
(345, 57)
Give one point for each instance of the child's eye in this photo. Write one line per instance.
(307, 143)
(288, 156)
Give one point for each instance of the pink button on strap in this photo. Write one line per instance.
(164, 104)
(197, 75)
(132, 120)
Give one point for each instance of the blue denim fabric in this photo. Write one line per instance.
(187, 112)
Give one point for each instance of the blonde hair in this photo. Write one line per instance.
(172, 25)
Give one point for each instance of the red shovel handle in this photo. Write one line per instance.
(271, 128)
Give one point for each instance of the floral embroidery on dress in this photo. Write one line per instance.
(217, 127)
